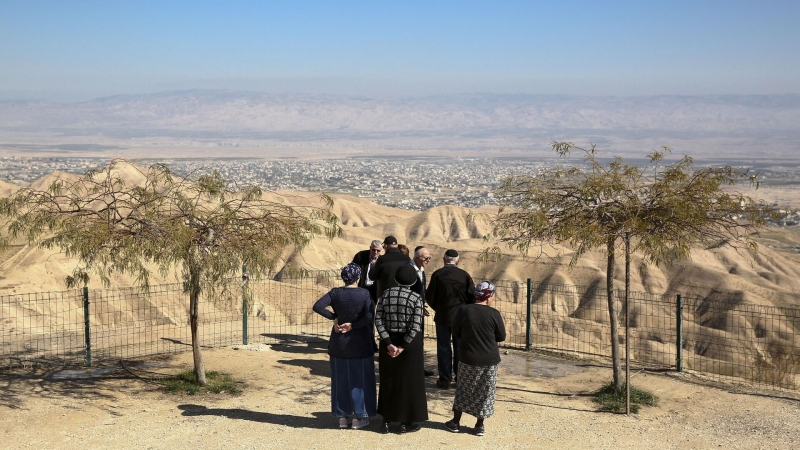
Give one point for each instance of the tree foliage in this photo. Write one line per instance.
(124, 219)
(668, 209)
(661, 211)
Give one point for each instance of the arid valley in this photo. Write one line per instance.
(183, 179)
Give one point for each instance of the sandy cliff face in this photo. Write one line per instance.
(767, 278)
(724, 288)
(7, 189)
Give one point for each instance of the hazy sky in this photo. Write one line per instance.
(78, 50)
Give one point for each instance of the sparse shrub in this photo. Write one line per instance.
(612, 400)
(779, 369)
(186, 383)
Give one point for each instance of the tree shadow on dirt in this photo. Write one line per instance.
(320, 420)
(582, 394)
(176, 341)
(544, 405)
(102, 383)
(515, 394)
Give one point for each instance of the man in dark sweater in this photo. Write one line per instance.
(386, 267)
(449, 288)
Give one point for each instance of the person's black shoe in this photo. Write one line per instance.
(408, 428)
(480, 430)
(428, 373)
(385, 427)
(452, 426)
(443, 384)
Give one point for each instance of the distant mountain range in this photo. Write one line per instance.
(771, 120)
(237, 111)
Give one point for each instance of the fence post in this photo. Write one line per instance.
(86, 333)
(245, 306)
(679, 338)
(528, 317)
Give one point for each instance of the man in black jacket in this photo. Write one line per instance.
(366, 259)
(421, 259)
(449, 288)
(387, 265)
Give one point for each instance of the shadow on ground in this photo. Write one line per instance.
(320, 419)
(91, 385)
(513, 398)
(177, 341)
(317, 367)
(294, 339)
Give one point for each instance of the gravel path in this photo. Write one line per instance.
(540, 404)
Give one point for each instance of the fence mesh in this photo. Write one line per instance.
(281, 308)
(733, 341)
(723, 339)
(42, 326)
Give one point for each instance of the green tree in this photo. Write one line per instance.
(121, 218)
(660, 211)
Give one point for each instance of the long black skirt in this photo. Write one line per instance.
(401, 396)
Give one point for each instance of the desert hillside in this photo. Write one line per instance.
(767, 278)
(7, 188)
(726, 331)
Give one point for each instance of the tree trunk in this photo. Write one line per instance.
(627, 323)
(194, 298)
(613, 317)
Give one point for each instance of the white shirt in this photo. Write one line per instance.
(367, 281)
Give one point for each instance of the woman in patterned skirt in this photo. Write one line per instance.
(351, 348)
(480, 328)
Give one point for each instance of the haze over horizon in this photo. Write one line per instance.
(71, 52)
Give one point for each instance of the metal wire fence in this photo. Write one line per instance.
(733, 340)
(42, 325)
(719, 337)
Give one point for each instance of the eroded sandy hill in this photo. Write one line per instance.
(769, 278)
(7, 189)
(43, 183)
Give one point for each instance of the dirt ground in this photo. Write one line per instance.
(286, 404)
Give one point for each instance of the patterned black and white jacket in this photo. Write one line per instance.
(399, 311)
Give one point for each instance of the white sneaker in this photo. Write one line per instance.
(344, 422)
(360, 423)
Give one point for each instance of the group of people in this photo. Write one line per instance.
(390, 294)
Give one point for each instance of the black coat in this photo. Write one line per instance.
(385, 269)
(450, 287)
(362, 259)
